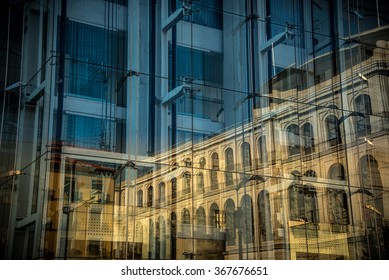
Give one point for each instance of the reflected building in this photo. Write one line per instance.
(208, 129)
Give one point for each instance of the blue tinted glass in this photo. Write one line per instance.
(198, 65)
(89, 132)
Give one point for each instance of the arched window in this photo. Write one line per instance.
(138, 241)
(139, 202)
(151, 240)
(303, 203)
(372, 190)
(157, 240)
(200, 182)
(188, 162)
(230, 221)
(150, 196)
(310, 173)
(201, 222)
(265, 226)
(370, 179)
(215, 220)
(246, 155)
(337, 172)
(247, 219)
(308, 139)
(364, 110)
(186, 216)
(173, 182)
(187, 182)
(337, 206)
(161, 192)
(215, 216)
(186, 223)
(229, 155)
(296, 175)
(161, 240)
(293, 139)
(138, 232)
(202, 162)
(173, 236)
(262, 150)
(214, 170)
(333, 130)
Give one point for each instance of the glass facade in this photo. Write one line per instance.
(207, 130)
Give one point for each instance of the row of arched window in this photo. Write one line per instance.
(336, 172)
(303, 204)
(200, 180)
(304, 139)
(233, 219)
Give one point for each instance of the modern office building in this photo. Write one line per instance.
(194, 129)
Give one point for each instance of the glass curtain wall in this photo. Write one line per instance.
(262, 106)
(10, 71)
(87, 195)
(208, 129)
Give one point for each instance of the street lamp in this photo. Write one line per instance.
(15, 86)
(363, 77)
(11, 173)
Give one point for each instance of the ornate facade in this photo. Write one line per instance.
(195, 130)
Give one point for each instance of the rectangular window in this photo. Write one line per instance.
(205, 12)
(93, 57)
(97, 185)
(88, 132)
(197, 65)
(284, 13)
